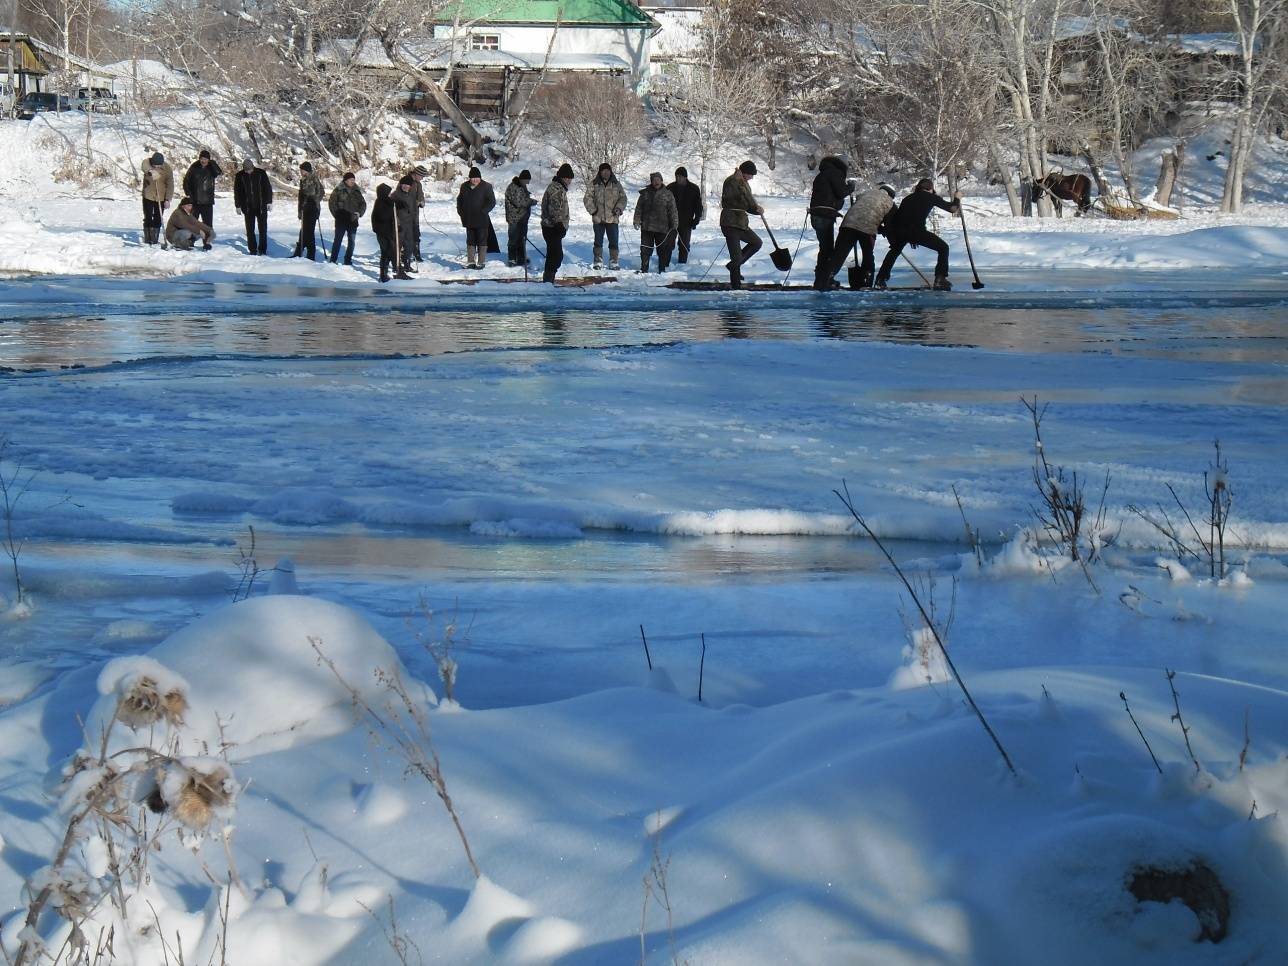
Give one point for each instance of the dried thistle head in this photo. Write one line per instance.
(143, 704)
(201, 795)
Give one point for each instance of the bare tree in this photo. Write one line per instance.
(1261, 35)
(592, 120)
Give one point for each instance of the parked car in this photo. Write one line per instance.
(98, 99)
(38, 102)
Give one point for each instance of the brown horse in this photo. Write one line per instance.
(1067, 187)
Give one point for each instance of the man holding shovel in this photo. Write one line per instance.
(736, 202)
(910, 229)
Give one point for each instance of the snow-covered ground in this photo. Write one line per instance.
(550, 471)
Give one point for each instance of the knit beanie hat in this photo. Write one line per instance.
(248, 165)
(204, 154)
(305, 166)
(888, 189)
(406, 180)
(605, 167)
(747, 167)
(420, 169)
(525, 175)
(565, 171)
(158, 159)
(475, 173)
(349, 176)
(185, 201)
(681, 173)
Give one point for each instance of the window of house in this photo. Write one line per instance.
(485, 41)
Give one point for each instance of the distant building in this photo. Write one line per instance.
(676, 42)
(489, 53)
(34, 61)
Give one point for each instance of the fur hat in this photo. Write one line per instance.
(658, 175)
(204, 154)
(248, 165)
(681, 172)
(605, 167)
(747, 168)
(349, 176)
(887, 188)
(475, 173)
(565, 171)
(525, 175)
(157, 159)
(305, 166)
(420, 169)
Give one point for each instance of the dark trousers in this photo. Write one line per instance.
(824, 229)
(415, 239)
(308, 231)
(206, 215)
(516, 243)
(256, 219)
(743, 243)
(388, 255)
(346, 225)
(683, 236)
(662, 241)
(152, 223)
(846, 239)
(554, 236)
(922, 238)
(603, 230)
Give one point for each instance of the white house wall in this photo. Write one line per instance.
(532, 41)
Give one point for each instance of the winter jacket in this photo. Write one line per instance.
(417, 191)
(252, 191)
(518, 202)
(688, 202)
(199, 182)
(605, 200)
(827, 198)
(407, 214)
(382, 214)
(915, 209)
(311, 193)
(554, 205)
(655, 211)
(158, 183)
(736, 201)
(868, 211)
(347, 201)
(473, 204)
(180, 220)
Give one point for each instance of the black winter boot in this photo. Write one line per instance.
(942, 284)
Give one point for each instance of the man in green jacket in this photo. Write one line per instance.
(736, 203)
(554, 220)
(347, 207)
(309, 209)
(658, 219)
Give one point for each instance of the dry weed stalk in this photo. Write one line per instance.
(972, 533)
(1185, 731)
(844, 496)
(247, 567)
(1220, 500)
(402, 729)
(402, 944)
(441, 648)
(1153, 757)
(657, 890)
(14, 485)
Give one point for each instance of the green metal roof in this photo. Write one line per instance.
(616, 12)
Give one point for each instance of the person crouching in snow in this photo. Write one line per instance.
(184, 228)
(869, 215)
(909, 228)
(347, 207)
(658, 219)
(474, 202)
(518, 209)
(384, 222)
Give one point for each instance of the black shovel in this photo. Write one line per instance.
(781, 257)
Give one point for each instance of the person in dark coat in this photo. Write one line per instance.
(736, 203)
(253, 197)
(554, 220)
(347, 206)
(417, 175)
(518, 209)
(406, 214)
(199, 185)
(473, 204)
(909, 228)
(688, 202)
(384, 223)
(826, 201)
(309, 210)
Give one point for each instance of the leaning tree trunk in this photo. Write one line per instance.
(1169, 174)
(1097, 173)
(1012, 197)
